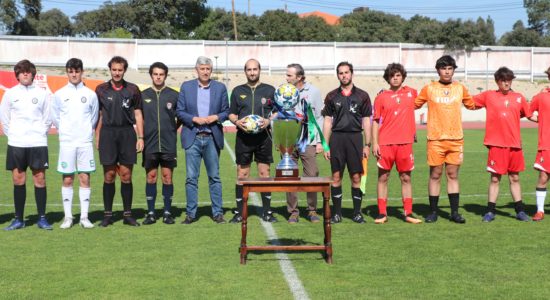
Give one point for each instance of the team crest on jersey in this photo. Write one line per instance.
(147, 100)
(409, 94)
(446, 92)
(518, 100)
(353, 108)
(83, 100)
(169, 105)
(264, 101)
(398, 100)
(242, 96)
(34, 100)
(506, 103)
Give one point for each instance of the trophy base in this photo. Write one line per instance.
(286, 174)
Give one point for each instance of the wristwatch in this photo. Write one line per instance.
(367, 145)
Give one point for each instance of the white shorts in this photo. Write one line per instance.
(76, 160)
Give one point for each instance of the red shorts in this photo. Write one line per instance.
(504, 160)
(402, 155)
(542, 162)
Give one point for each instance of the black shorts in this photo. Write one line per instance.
(117, 145)
(153, 160)
(346, 148)
(258, 146)
(24, 157)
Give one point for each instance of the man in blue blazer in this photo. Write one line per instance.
(202, 108)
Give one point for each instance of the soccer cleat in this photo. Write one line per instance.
(457, 218)
(381, 219)
(67, 223)
(431, 218)
(539, 216)
(167, 218)
(43, 224)
(107, 220)
(128, 220)
(313, 217)
(237, 218)
(337, 218)
(358, 218)
(15, 224)
(218, 219)
(294, 218)
(149, 219)
(522, 216)
(269, 217)
(188, 220)
(488, 217)
(410, 218)
(85, 223)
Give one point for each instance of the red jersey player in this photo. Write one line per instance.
(541, 105)
(504, 108)
(393, 131)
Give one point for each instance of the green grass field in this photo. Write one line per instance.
(504, 259)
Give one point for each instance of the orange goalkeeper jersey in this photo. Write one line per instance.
(444, 109)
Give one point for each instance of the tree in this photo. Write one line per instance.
(105, 19)
(521, 37)
(8, 15)
(458, 35)
(219, 25)
(486, 30)
(538, 15)
(278, 25)
(372, 26)
(54, 23)
(161, 19)
(315, 29)
(422, 30)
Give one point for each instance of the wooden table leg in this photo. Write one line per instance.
(327, 227)
(244, 225)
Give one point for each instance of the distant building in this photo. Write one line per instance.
(360, 9)
(328, 18)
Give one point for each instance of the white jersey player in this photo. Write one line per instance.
(75, 113)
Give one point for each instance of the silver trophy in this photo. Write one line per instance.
(286, 130)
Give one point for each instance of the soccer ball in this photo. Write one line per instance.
(287, 96)
(252, 124)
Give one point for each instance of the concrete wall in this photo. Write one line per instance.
(317, 58)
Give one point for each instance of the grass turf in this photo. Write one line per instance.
(503, 259)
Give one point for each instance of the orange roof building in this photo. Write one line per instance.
(328, 18)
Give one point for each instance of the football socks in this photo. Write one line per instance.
(40, 195)
(541, 196)
(67, 197)
(151, 196)
(84, 195)
(167, 193)
(357, 197)
(336, 194)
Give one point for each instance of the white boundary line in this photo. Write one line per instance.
(296, 287)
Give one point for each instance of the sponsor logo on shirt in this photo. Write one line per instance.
(66, 100)
(147, 100)
(242, 96)
(169, 105)
(126, 103)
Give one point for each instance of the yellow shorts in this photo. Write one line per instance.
(445, 151)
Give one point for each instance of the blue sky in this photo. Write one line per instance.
(504, 13)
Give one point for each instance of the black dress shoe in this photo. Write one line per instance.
(188, 220)
(431, 218)
(128, 220)
(107, 220)
(457, 218)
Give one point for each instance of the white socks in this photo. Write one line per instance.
(541, 195)
(67, 197)
(84, 194)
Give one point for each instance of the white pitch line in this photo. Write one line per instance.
(291, 276)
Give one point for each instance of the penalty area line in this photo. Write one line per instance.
(291, 276)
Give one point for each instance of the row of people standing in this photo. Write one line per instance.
(120, 110)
